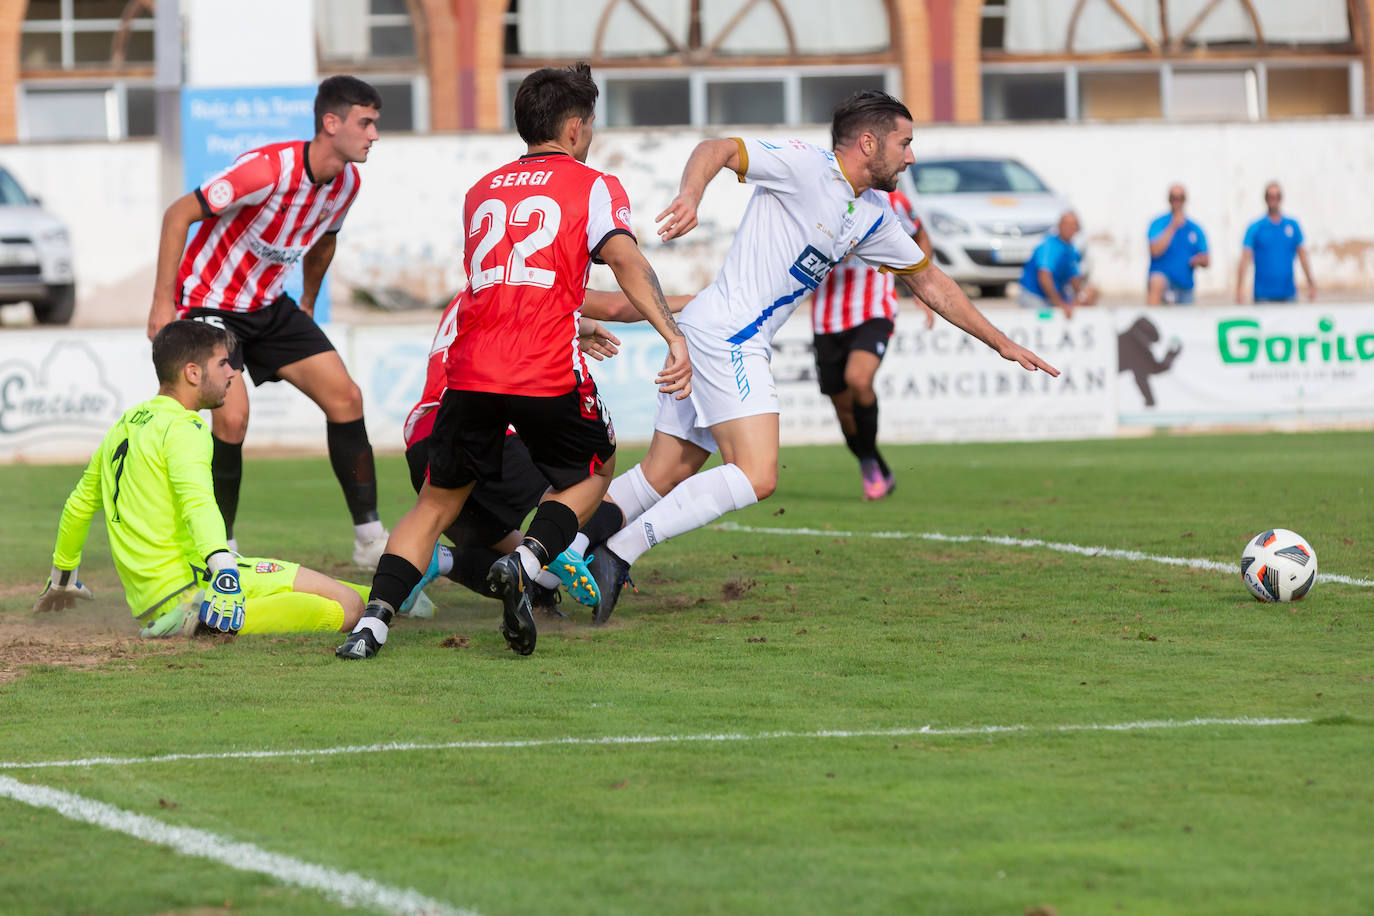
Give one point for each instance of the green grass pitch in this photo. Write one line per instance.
(778, 682)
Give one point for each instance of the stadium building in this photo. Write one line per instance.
(84, 69)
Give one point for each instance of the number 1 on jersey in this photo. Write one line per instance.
(491, 219)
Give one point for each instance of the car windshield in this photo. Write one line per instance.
(975, 176)
(11, 195)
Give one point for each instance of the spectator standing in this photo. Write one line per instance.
(1053, 277)
(1177, 246)
(1271, 242)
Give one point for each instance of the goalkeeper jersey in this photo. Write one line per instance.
(151, 477)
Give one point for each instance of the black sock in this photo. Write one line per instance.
(852, 441)
(471, 566)
(866, 436)
(226, 470)
(605, 521)
(552, 529)
(394, 580)
(351, 456)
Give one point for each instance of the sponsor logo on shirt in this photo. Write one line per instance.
(811, 267)
(268, 567)
(219, 194)
(623, 215)
(274, 253)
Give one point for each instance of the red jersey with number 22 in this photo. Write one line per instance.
(533, 228)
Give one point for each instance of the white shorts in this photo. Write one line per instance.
(728, 382)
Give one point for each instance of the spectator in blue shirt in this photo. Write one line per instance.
(1052, 278)
(1271, 242)
(1177, 245)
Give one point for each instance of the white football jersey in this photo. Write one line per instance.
(802, 221)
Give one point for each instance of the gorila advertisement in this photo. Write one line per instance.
(1299, 363)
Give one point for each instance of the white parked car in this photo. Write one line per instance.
(985, 215)
(35, 256)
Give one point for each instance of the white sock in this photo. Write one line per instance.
(632, 493)
(368, 531)
(579, 544)
(529, 561)
(697, 501)
(445, 560)
(548, 579)
(376, 626)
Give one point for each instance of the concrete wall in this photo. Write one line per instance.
(406, 228)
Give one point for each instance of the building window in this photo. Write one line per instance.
(1024, 96)
(708, 62)
(1171, 59)
(646, 102)
(757, 95)
(376, 41)
(362, 31)
(1214, 95)
(77, 34)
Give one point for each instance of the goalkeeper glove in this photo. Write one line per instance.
(61, 592)
(222, 605)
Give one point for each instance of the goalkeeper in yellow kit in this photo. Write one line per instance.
(151, 476)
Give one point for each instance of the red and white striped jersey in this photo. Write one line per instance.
(533, 227)
(853, 292)
(267, 211)
(420, 420)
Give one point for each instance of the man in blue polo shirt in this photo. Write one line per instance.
(1052, 278)
(1272, 241)
(1177, 245)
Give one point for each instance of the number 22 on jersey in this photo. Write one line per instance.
(492, 219)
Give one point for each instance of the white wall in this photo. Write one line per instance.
(405, 229)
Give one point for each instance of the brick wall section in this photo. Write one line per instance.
(436, 27)
(11, 17)
(1365, 10)
(489, 33)
(911, 42)
(968, 80)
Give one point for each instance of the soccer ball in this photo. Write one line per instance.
(1278, 565)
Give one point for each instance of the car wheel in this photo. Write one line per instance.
(58, 307)
(992, 290)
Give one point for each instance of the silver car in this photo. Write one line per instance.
(985, 215)
(35, 256)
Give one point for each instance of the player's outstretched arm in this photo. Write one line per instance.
(637, 278)
(616, 306)
(184, 212)
(934, 287)
(709, 157)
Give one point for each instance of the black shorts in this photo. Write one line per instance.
(569, 436)
(832, 351)
(269, 338)
(495, 508)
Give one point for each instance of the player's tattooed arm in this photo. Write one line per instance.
(661, 301)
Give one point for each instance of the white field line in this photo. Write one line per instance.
(343, 887)
(1108, 552)
(613, 740)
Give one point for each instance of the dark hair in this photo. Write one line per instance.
(871, 110)
(338, 94)
(186, 341)
(547, 98)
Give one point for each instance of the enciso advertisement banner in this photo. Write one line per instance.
(1254, 364)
